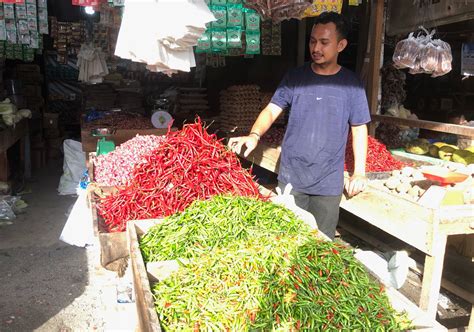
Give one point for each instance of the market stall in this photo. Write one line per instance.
(424, 226)
(208, 247)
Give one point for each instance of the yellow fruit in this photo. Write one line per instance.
(446, 152)
(470, 149)
(470, 159)
(461, 156)
(439, 144)
(418, 146)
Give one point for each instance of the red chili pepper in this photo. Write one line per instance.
(379, 159)
(189, 164)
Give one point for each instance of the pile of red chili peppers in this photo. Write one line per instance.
(190, 164)
(379, 159)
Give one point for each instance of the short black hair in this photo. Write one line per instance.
(342, 26)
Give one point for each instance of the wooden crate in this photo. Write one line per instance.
(148, 318)
(113, 246)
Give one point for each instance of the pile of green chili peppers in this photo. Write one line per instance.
(253, 265)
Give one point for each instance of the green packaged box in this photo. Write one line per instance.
(235, 17)
(252, 40)
(219, 40)
(234, 37)
(220, 13)
(252, 20)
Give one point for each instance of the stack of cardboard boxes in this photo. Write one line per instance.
(44, 133)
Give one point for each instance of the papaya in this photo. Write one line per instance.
(470, 159)
(462, 156)
(433, 151)
(446, 152)
(418, 146)
(439, 144)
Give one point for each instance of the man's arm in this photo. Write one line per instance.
(264, 121)
(358, 181)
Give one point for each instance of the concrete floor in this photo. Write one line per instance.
(47, 285)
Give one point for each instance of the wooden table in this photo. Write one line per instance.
(424, 228)
(8, 138)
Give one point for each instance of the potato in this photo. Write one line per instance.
(417, 175)
(392, 182)
(405, 179)
(403, 188)
(396, 172)
(414, 191)
(407, 171)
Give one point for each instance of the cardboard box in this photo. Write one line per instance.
(28, 68)
(50, 120)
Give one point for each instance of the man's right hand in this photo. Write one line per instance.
(236, 143)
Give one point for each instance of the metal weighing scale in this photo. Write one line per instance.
(104, 145)
(160, 117)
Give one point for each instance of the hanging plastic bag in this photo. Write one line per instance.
(406, 52)
(288, 201)
(445, 59)
(262, 7)
(429, 57)
(287, 9)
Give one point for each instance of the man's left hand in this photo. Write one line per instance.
(356, 184)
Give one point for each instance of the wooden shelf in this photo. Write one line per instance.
(430, 125)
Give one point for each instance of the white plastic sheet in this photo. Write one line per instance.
(78, 230)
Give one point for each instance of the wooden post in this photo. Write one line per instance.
(470, 328)
(432, 275)
(364, 19)
(378, 29)
(301, 43)
(4, 169)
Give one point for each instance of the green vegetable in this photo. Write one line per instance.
(217, 223)
(252, 265)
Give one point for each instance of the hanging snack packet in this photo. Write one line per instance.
(3, 32)
(253, 42)
(23, 27)
(234, 37)
(234, 2)
(219, 2)
(234, 16)
(21, 12)
(252, 20)
(9, 11)
(220, 13)
(219, 40)
(204, 43)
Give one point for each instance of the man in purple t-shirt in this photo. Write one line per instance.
(324, 100)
